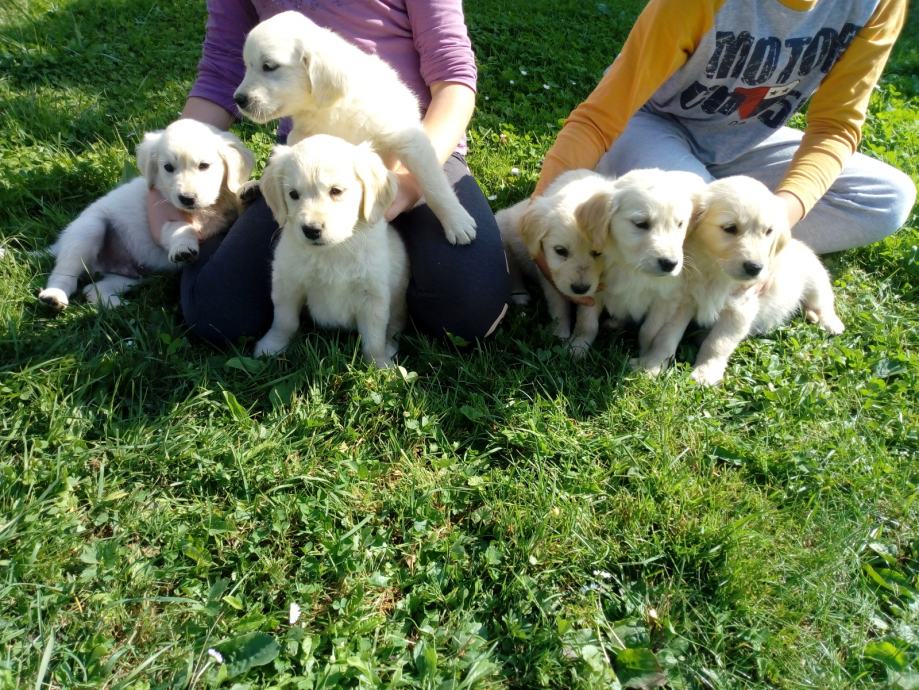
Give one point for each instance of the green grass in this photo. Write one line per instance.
(502, 517)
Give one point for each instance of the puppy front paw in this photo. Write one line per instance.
(647, 367)
(460, 228)
(578, 347)
(269, 345)
(383, 362)
(249, 192)
(562, 330)
(708, 374)
(183, 250)
(832, 323)
(103, 299)
(54, 298)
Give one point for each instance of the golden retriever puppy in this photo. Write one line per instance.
(197, 168)
(572, 241)
(336, 254)
(329, 86)
(745, 275)
(649, 212)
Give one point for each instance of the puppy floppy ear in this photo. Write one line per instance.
(782, 237)
(271, 184)
(327, 80)
(147, 156)
(533, 226)
(379, 186)
(594, 216)
(238, 161)
(700, 204)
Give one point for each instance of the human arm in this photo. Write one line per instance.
(838, 110)
(445, 123)
(663, 38)
(447, 66)
(665, 34)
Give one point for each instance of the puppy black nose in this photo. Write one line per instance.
(188, 201)
(667, 265)
(580, 288)
(242, 100)
(752, 268)
(311, 232)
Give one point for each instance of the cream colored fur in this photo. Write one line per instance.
(336, 254)
(745, 275)
(559, 224)
(649, 213)
(329, 86)
(197, 168)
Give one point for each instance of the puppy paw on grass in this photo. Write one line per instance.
(644, 367)
(55, 298)
(579, 347)
(709, 374)
(830, 322)
(94, 296)
(270, 345)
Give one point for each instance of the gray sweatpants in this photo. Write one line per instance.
(869, 200)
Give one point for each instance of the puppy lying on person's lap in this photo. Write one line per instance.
(197, 168)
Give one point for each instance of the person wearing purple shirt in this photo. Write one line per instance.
(462, 290)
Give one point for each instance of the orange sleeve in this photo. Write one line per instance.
(661, 41)
(838, 108)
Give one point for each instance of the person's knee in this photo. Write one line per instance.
(214, 320)
(454, 308)
(903, 194)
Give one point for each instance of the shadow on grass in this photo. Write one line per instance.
(138, 365)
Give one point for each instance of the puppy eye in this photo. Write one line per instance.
(596, 254)
(642, 224)
(269, 67)
(203, 166)
(336, 192)
(293, 194)
(768, 232)
(730, 229)
(561, 251)
(169, 167)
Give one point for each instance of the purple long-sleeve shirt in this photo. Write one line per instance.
(425, 41)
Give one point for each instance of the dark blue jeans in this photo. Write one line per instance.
(462, 290)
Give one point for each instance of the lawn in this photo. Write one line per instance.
(494, 517)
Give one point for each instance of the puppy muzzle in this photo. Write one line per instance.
(667, 265)
(311, 232)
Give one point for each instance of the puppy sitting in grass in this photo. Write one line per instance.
(337, 255)
(197, 168)
(745, 275)
(648, 212)
(572, 240)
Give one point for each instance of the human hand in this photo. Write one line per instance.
(160, 212)
(794, 209)
(540, 260)
(407, 195)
